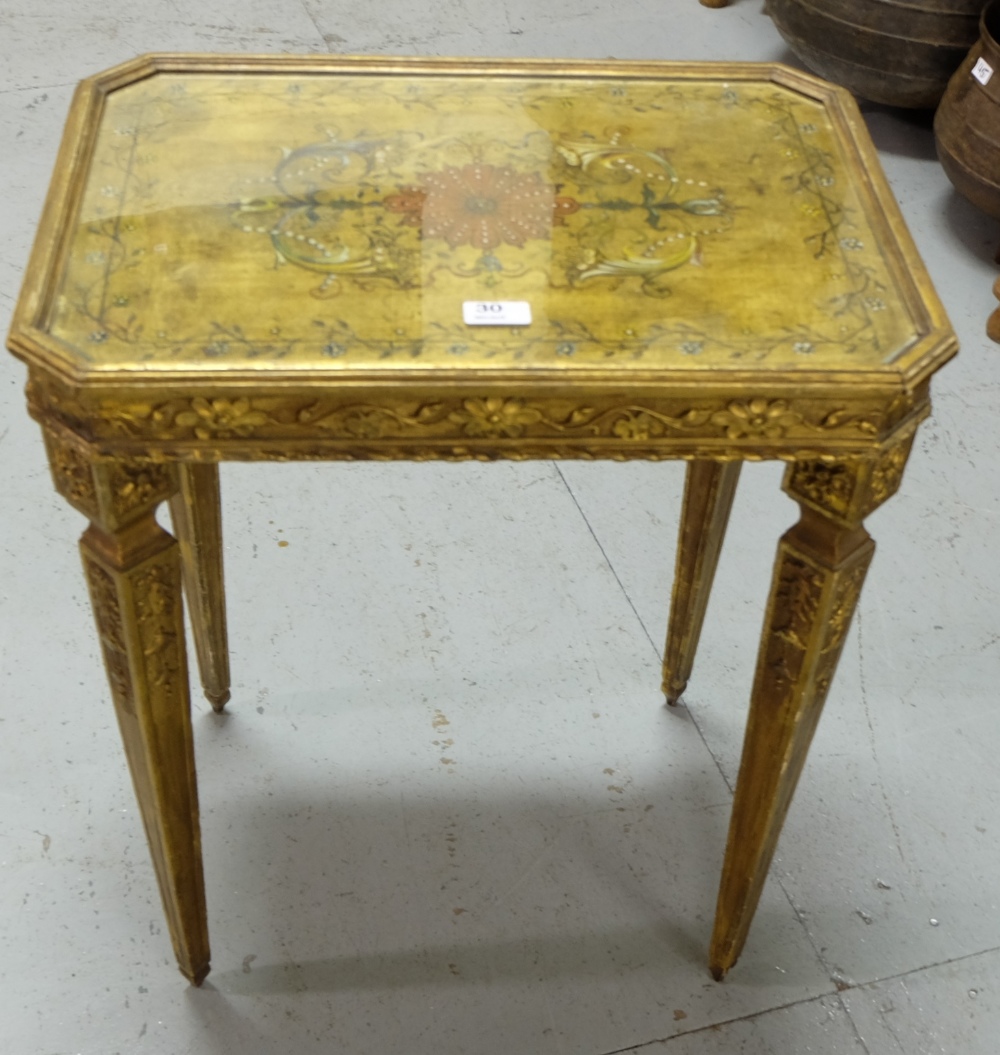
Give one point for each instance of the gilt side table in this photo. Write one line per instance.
(324, 258)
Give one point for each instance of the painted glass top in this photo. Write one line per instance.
(341, 221)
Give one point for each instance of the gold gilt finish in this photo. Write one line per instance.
(267, 258)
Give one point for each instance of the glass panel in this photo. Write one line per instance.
(339, 221)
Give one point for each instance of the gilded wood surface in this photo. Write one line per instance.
(396, 421)
(647, 222)
(847, 490)
(819, 572)
(134, 581)
(265, 258)
(113, 491)
(709, 490)
(196, 512)
(714, 263)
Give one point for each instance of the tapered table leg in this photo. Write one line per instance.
(708, 498)
(196, 512)
(134, 575)
(820, 568)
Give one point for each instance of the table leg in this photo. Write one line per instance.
(708, 497)
(820, 568)
(196, 512)
(133, 572)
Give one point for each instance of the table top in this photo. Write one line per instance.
(276, 221)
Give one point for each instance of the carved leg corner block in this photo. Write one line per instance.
(848, 490)
(111, 491)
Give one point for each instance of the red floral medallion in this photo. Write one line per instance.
(483, 206)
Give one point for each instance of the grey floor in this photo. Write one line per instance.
(448, 812)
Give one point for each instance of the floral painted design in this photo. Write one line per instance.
(409, 203)
(486, 206)
(483, 206)
(581, 202)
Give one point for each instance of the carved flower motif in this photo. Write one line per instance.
(365, 424)
(495, 417)
(828, 484)
(637, 427)
(73, 475)
(888, 474)
(136, 487)
(220, 417)
(756, 417)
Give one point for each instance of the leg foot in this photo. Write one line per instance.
(218, 701)
(199, 977)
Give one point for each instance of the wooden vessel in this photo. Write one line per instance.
(889, 51)
(967, 124)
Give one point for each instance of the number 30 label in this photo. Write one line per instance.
(496, 313)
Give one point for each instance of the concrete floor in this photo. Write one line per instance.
(550, 887)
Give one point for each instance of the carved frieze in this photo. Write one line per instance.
(384, 418)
